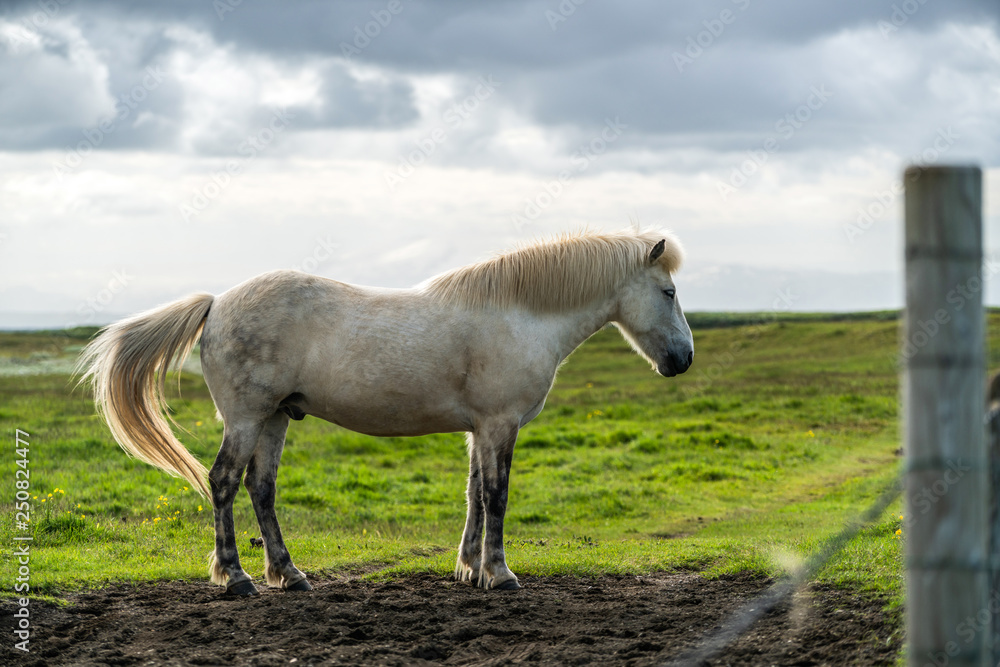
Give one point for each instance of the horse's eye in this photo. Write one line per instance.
(670, 292)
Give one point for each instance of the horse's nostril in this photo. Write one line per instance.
(690, 357)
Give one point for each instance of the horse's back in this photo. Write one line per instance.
(368, 359)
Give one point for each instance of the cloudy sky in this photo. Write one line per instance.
(152, 149)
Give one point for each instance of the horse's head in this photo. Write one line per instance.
(650, 316)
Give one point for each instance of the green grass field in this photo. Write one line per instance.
(779, 434)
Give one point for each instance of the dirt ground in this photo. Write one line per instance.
(427, 619)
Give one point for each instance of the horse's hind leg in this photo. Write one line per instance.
(470, 550)
(260, 480)
(224, 479)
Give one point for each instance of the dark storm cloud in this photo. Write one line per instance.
(345, 102)
(129, 108)
(73, 71)
(443, 36)
(718, 75)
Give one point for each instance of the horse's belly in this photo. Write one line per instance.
(387, 417)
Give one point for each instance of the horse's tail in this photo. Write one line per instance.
(127, 364)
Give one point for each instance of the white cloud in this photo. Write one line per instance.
(52, 77)
(477, 155)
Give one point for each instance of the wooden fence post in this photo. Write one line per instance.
(993, 445)
(947, 486)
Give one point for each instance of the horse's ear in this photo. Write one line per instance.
(657, 250)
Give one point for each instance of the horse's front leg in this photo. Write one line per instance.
(494, 448)
(470, 550)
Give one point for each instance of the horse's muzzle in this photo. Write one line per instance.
(675, 363)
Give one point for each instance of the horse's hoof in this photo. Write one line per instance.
(243, 589)
(509, 585)
(302, 585)
(466, 573)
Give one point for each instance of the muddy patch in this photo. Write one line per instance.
(428, 619)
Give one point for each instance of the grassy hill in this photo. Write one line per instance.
(784, 428)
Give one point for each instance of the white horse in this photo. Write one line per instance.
(475, 349)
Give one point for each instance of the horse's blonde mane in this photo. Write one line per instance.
(567, 271)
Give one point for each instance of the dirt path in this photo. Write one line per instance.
(426, 619)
